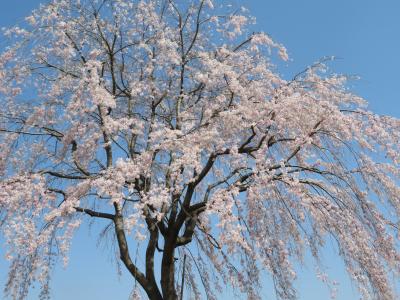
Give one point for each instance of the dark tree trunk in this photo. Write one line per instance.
(168, 270)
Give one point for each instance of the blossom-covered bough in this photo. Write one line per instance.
(167, 121)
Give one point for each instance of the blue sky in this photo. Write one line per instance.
(364, 34)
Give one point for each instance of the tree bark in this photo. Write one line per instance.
(168, 269)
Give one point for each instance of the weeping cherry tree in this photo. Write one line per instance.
(167, 123)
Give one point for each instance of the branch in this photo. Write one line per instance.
(65, 176)
(123, 247)
(24, 132)
(151, 248)
(187, 236)
(243, 43)
(76, 162)
(196, 32)
(298, 148)
(96, 214)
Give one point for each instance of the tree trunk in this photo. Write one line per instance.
(168, 270)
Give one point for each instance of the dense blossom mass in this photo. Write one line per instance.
(168, 122)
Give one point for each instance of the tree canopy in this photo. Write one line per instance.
(168, 121)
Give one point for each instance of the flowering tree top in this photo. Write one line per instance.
(167, 120)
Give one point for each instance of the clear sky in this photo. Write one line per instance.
(364, 34)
